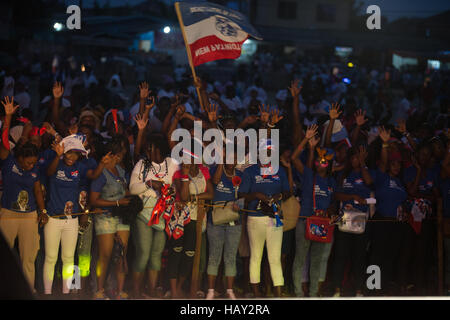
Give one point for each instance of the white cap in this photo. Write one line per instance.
(74, 142)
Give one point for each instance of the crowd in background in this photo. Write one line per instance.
(347, 134)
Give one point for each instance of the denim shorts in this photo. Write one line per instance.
(107, 224)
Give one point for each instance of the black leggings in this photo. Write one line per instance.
(181, 252)
(350, 247)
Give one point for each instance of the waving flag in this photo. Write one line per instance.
(212, 32)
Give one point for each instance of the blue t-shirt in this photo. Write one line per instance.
(445, 191)
(268, 185)
(324, 190)
(44, 160)
(389, 192)
(90, 164)
(224, 190)
(354, 184)
(18, 186)
(425, 184)
(98, 184)
(65, 189)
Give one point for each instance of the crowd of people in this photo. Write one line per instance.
(80, 177)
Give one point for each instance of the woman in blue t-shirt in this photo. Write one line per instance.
(228, 187)
(353, 189)
(22, 196)
(266, 188)
(66, 174)
(107, 191)
(386, 237)
(317, 197)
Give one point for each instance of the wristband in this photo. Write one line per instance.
(406, 134)
(270, 125)
(117, 202)
(185, 180)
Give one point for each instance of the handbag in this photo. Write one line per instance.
(352, 220)
(318, 227)
(291, 211)
(225, 214)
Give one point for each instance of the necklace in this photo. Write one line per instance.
(157, 173)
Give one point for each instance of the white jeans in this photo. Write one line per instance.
(261, 229)
(66, 232)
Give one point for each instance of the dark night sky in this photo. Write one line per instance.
(392, 9)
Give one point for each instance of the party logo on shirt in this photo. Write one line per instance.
(34, 175)
(74, 173)
(41, 160)
(276, 177)
(16, 170)
(359, 181)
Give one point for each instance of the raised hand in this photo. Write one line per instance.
(143, 90)
(401, 126)
(313, 142)
(335, 111)
(311, 131)
(360, 117)
(58, 90)
(275, 116)
(181, 109)
(198, 83)
(9, 106)
(48, 127)
(141, 123)
(264, 113)
(58, 148)
(294, 88)
(151, 99)
(212, 112)
(285, 161)
(106, 159)
(385, 135)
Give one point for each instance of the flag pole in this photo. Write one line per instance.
(191, 64)
(200, 204)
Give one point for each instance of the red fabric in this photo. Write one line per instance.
(114, 114)
(5, 139)
(212, 48)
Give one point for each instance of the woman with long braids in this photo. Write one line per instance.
(149, 175)
(107, 191)
(22, 196)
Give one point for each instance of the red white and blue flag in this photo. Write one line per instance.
(213, 32)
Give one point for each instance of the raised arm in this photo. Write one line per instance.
(58, 91)
(334, 114)
(362, 156)
(142, 124)
(298, 164)
(360, 117)
(9, 111)
(401, 127)
(94, 174)
(286, 163)
(385, 135)
(53, 166)
(143, 95)
(297, 134)
(178, 116)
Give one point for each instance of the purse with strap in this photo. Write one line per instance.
(318, 226)
(291, 211)
(225, 214)
(352, 220)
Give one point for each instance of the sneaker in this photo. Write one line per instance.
(210, 295)
(100, 295)
(200, 294)
(168, 295)
(230, 295)
(122, 296)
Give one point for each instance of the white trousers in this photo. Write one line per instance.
(56, 231)
(262, 230)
